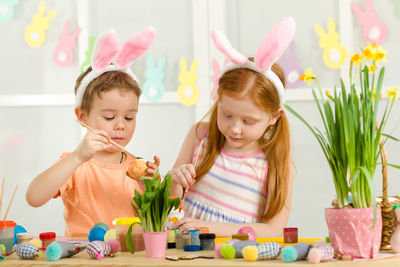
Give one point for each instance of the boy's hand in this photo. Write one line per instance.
(94, 141)
(183, 175)
(152, 167)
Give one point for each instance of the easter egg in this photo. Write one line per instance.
(137, 168)
(96, 233)
(249, 231)
(18, 229)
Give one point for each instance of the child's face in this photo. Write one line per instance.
(242, 122)
(115, 112)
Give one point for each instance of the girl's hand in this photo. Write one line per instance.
(183, 175)
(190, 224)
(152, 167)
(94, 141)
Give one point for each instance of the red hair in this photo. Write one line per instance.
(237, 83)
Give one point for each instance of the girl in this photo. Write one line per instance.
(92, 180)
(244, 173)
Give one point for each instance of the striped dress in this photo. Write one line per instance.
(233, 190)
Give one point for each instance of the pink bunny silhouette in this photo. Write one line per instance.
(215, 78)
(290, 65)
(374, 30)
(63, 54)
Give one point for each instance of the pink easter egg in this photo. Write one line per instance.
(218, 250)
(248, 230)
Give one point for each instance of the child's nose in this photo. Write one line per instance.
(120, 124)
(235, 127)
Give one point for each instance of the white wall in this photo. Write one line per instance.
(33, 136)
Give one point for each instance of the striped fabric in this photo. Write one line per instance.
(233, 191)
(98, 249)
(269, 250)
(327, 251)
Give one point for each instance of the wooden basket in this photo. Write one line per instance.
(389, 221)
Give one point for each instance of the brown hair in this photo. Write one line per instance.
(238, 83)
(105, 82)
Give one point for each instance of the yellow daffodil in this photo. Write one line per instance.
(328, 93)
(356, 59)
(372, 68)
(369, 51)
(393, 93)
(307, 76)
(380, 55)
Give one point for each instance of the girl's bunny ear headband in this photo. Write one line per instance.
(106, 48)
(269, 51)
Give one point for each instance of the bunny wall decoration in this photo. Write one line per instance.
(292, 69)
(63, 54)
(35, 33)
(335, 54)
(88, 54)
(188, 93)
(374, 30)
(7, 8)
(153, 87)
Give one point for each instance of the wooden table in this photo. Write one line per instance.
(140, 259)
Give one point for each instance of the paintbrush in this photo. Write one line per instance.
(195, 163)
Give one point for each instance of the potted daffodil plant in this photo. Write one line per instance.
(153, 207)
(351, 140)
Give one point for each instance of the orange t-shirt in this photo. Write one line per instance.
(96, 192)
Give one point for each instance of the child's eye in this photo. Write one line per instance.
(128, 119)
(228, 116)
(247, 122)
(109, 118)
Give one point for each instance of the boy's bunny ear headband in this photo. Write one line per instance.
(106, 48)
(270, 49)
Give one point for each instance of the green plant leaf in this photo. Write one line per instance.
(128, 239)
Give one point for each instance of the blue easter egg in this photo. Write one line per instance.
(96, 233)
(18, 229)
(102, 225)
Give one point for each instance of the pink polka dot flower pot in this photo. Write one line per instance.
(351, 231)
(155, 244)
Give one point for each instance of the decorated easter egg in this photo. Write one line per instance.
(137, 168)
(249, 231)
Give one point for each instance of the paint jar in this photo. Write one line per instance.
(24, 237)
(171, 239)
(194, 237)
(7, 234)
(242, 237)
(180, 240)
(207, 241)
(121, 229)
(290, 234)
(187, 239)
(47, 238)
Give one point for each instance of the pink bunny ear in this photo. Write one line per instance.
(104, 50)
(222, 44)
(136, 46)
(274, 43)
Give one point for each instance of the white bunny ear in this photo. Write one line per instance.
(275, 43)
(136, 46)
(104, 50)
(222, 44)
